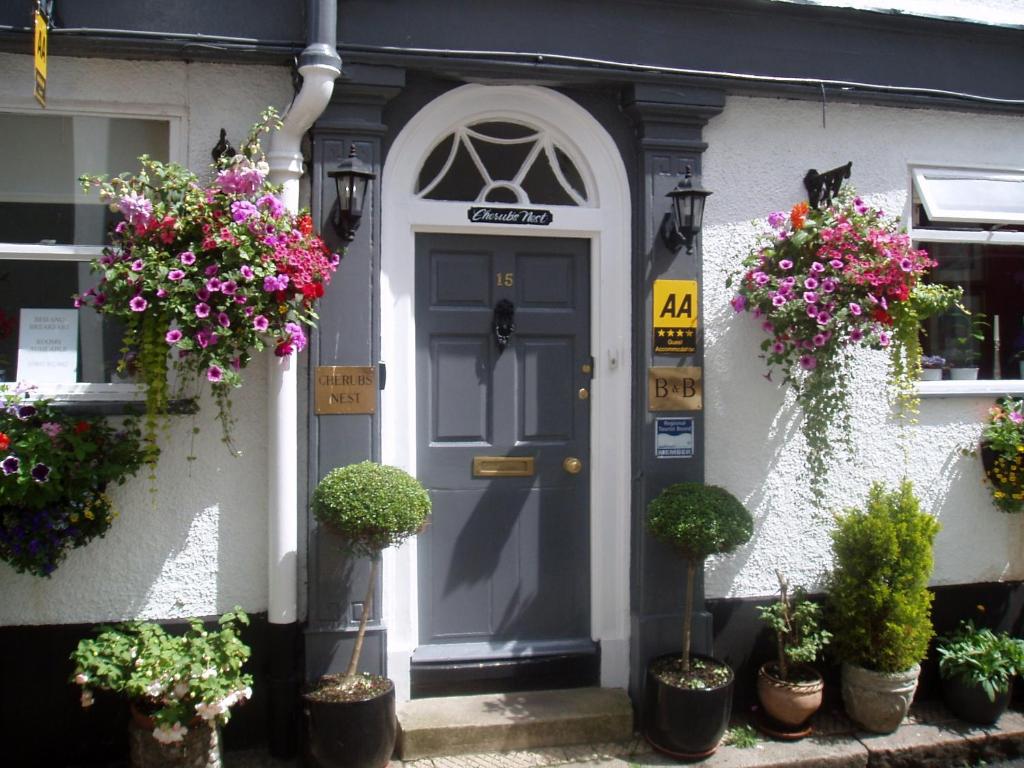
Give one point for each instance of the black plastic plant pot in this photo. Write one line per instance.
(686, 723)
(969, 702)
(356, 734)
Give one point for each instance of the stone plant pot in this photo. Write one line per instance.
(878, 701)
(789, 704)
(686, 723)
(931, 374)
(200, 748)
(969, 702)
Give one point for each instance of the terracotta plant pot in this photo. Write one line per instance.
(790, 704)
(350, 734)
(878, 701)
(682, 722)
(970, 702)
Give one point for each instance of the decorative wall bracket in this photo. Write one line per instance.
(504, 323)
(823, 187)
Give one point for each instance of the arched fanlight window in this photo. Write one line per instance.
(501, 162)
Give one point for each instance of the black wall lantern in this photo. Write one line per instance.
(682, 225)
(352, 178)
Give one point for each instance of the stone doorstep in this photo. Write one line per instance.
(504, 722)
(930, 738)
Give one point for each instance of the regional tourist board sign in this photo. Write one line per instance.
(529, 216)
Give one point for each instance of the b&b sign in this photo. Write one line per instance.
(675, 317)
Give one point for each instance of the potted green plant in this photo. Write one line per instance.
(789, 689)
(350, 718)
(932, 367)
(181, 687)
(879, 607)
(967, 345)
(688, 699)
(1002, 453)
(977, 667)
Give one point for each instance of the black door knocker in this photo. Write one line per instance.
(504, 324)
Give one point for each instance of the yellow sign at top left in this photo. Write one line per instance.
(41, 55)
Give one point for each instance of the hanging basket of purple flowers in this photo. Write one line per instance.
(204, 274)
(55, 469)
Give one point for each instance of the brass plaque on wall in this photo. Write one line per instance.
(346, 389)
(674, 389)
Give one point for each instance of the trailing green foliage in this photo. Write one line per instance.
(981, 657)
(371, 506)
(699, 520)
(879, 606)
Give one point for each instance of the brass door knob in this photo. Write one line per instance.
(572, 465)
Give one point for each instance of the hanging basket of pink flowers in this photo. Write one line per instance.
(204, 275)
(823, 282)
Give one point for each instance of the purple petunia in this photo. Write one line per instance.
(273, 283)
(40, 473)
(229, 287)
(138, 265)
(173, 336)
(739, 302)
(271, 203)
(778, 300)
(211, 270)
(175, 275)
(785, 264)
(214, 373)
(213, 284)
(808, 362)
(202, 309)
(297, 334)
(811, 283)
(260, 323)
(10, 465)
(810, 297)
(187, 258)
(855, 309)
(778, 348)
(138, 304)
(856, 334)
(242, 210)
(223, 320)
(136, 209)
(25, 412)
(247, 272)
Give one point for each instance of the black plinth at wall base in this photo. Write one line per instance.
(535, 673)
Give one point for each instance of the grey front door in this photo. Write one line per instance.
(504, 566)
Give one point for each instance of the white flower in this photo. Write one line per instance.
(208, 673)
(209, 711)
(86, 698)
(166, 735)
(81, 678)
(245, 693)
(154, 689)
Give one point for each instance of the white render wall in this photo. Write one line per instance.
(200, 546)
(759, 151)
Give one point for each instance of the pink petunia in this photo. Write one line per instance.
(173, 336)
(202, 309)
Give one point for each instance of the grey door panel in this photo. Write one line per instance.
(505, 559)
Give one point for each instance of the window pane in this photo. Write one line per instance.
(993, 281)
(50, 285)
(43, 156)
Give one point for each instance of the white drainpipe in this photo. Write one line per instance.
(319, 66)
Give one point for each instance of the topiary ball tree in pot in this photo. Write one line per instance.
(688, 700)
(370, 507)
(879, 606)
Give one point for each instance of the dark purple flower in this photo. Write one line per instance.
(10, 464)
(40, 473)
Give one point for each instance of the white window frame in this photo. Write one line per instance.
(177, 150)
(923, 236)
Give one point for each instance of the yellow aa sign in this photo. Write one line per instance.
(675, 316)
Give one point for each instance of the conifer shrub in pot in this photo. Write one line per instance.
(789, 689)
(879, 606)
(350, 718)
(688, 699)
(977, 667)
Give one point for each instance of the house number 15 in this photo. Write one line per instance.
(506, 279)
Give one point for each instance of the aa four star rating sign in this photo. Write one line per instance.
(675, 317)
